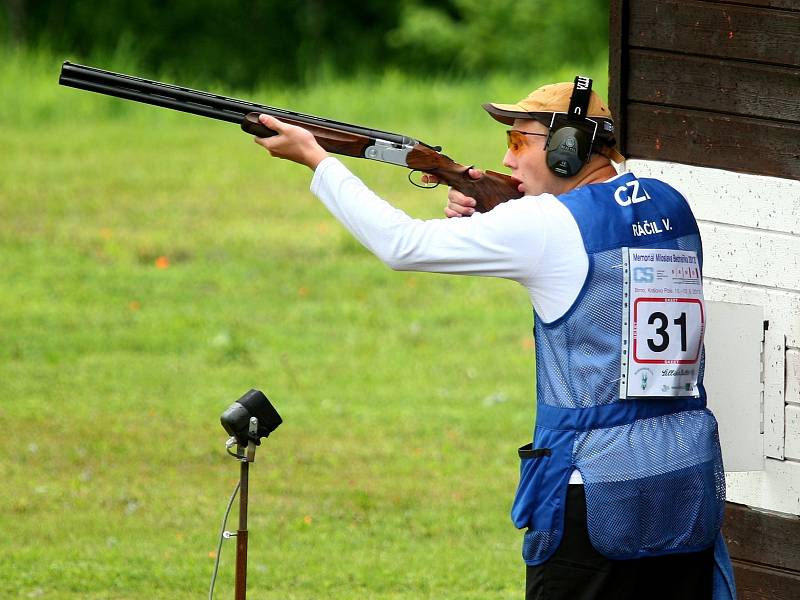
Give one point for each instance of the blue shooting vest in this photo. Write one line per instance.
(651, 467)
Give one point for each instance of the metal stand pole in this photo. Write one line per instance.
(241, 535)
(240, 590)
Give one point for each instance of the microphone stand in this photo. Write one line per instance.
(246, 455)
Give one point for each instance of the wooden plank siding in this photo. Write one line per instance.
(765, 550)
(713, 140)
(717, 29)
(787, 4)
(705, 83)
(730, 87)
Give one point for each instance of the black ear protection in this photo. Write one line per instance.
(569, 143)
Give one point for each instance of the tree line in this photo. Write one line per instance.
(297, 41)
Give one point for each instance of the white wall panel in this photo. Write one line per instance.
(793, 431)
(782, 307)
(776, 488)
(719, 196)
(793, 376)
(751, 256)
(751, 237)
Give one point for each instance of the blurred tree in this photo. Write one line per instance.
(235, 41)
(12, 21)
(242, 41)
(522, 36)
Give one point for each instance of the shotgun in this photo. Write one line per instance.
(334, 136)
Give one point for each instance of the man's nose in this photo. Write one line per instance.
(508, 160)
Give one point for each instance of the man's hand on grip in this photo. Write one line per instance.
(458, 205)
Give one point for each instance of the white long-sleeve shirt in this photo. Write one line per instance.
(533, 240)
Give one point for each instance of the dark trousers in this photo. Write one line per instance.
(579, 572)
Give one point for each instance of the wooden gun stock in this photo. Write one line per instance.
(490, 190)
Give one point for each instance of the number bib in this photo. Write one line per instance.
(663, 321)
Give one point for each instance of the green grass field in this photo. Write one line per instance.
(155, 266)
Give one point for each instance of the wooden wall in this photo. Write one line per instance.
(708, 83)
(706, 96)
(766, 553)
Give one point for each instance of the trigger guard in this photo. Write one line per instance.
(415, 184)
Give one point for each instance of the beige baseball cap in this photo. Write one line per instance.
(541, 103)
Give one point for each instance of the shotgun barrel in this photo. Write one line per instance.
(197, 102)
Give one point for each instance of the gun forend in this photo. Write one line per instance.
(333, 140)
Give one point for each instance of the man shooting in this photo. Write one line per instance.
(622, 490)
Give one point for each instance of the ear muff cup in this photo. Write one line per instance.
(568, 149)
